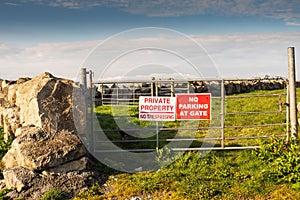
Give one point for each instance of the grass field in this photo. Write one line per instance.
(270, 172)
(246, 117)
(247, 174)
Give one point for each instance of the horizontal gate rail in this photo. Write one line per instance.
(215, 148)
(256, 125)
(189, 139)
(256, 95)
(125, 94)
(161, 129)
(180, 149)
(246, 113)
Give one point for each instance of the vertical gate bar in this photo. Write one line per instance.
(102, 96)
(188, 87)
(156, 88)
(117, 85)
(133, 93)
(157, 137)
(156, 123)
(280, 102)
(292, 87)
(172, 89)
(222, 114)
(91, 137)
(287, 113)
(152, 88)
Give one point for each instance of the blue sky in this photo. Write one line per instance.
(57, 36)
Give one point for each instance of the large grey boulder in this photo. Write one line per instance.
(39, 161)
(19, 178)
(32, 185)
(38, 150)
(46, 102)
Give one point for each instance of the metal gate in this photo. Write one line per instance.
(235, 124)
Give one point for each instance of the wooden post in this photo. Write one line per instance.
(292, 92)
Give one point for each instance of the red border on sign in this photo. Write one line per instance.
(196, 106)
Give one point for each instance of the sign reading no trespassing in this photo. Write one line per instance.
(193, 106)
(157, 108)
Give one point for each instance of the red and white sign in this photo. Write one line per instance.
(157, 108)
(193, 106)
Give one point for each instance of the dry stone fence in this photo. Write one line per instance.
(105, 92)
(46, 152)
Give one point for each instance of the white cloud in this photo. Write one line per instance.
(140, 50)
(11, 4)
(61, 59)
(72, 4)
(293, 23)
(235, 56)
(251, 55)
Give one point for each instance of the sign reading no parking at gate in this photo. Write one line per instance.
(193, 106)
(157, 108)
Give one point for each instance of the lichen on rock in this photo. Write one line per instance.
(46, 152)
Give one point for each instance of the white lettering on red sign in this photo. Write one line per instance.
(193, 106)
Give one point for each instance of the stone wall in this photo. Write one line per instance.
(108, 93)
(46, 153)
(243, 86)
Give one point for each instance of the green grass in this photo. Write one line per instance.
(236, 121)
(54, 194)
(270, 172)
(217, 175)
(4, 147)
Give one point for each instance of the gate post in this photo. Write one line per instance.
(83, 82)
(89, 112)
(292, 92)
(287, 112)
(83, 86)
(91, 102)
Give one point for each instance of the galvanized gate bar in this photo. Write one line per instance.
(222, 114)
(154, 85)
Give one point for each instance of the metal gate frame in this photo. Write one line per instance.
(172, 90)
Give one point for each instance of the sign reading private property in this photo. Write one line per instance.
(157, 108)
(193, 106)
